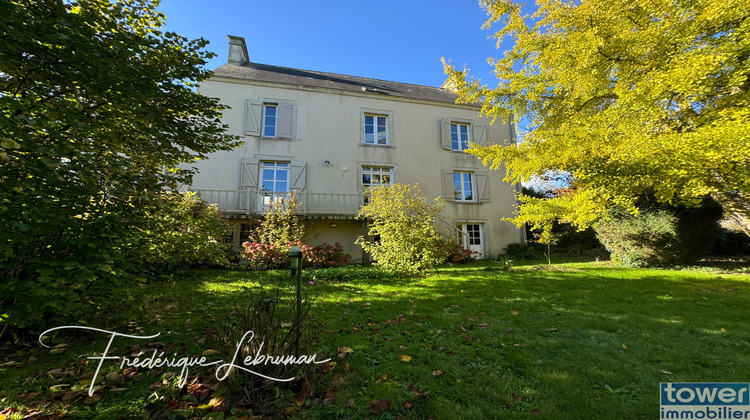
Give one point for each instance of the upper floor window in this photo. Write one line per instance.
(376, 129)
(273, 119)
(455, 135)
(459, 136)
(270, 112)
(463, 186)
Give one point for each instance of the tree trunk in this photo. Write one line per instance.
(736, 207)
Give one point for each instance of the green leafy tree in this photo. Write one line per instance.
(97, 108)
(403, 222)
(633, 98)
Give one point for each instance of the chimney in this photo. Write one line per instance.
(237, 50)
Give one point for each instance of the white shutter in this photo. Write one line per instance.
(480, 134)
(285, 128)
(298, 174)
(250, 173)
(445, 133)
(483, 188)
(253, 111)
(449, 194)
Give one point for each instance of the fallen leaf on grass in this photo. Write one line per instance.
(515, 396)
(343, 351)
(666, 372)
(438, 373)
(513, 312)
(380, 406)
(624, 347)
(209, 352)
(483, 325)
(28, 396)
(408, 405)
(92, 399)
(415, 391)
(404, 358)
(551, 329)
(383, 377)
(472, 318)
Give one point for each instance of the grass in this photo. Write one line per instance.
(574, 340)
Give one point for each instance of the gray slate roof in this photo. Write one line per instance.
(275, 74)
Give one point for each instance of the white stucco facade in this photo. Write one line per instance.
(321, 135)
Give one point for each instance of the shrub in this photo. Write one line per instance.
(523, 251)
(324, 256)
(181, 230)
(456, 253)
(401, 224)
(663, 237)
(266, 256)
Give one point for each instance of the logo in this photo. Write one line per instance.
(705, 400)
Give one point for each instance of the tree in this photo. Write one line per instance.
(97, 109)
(402, 225)
(633, 98)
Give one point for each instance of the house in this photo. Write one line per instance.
(329, 137)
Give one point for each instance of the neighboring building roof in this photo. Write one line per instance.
(275, 74)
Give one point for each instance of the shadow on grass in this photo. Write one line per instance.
(572, 341)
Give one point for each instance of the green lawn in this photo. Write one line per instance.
(576, 340)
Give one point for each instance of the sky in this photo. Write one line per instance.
(396, 40)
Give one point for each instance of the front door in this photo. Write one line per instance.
(473, 238)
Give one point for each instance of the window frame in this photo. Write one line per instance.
(362, 172)
(263, 117)
(376, 114)
(463, 175)
(461, 145)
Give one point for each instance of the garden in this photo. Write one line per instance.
(570, 340)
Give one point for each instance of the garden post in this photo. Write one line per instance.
(295, 258)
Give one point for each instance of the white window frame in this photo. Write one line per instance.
(377, 170)
(264, 123)
(265, 197)
(461, 192)
(387, 116)
(460, 144)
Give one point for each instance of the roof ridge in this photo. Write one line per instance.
(347, 75)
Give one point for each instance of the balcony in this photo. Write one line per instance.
(252, 202)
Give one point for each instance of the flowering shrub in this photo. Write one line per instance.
(324, 256)
(266, 256)
(456, 253)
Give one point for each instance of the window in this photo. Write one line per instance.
(269, 120)
(274, 183)
(373, 176)
(456, 134)
(459, 136)
(376, 129)
(463, 188)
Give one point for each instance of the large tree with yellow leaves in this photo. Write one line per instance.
(632, 97)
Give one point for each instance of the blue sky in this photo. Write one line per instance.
(397, 40)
